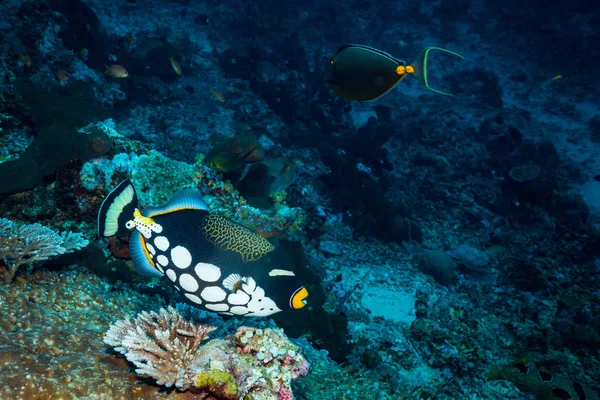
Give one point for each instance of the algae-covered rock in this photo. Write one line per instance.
(57, 115)
(219, 383)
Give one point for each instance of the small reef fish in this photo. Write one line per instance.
(176, 66)
(24, 60)
(224, 161)
(61, 75)
(235, 153)
(363, 73)
(282, 172)
(213, 262)
(115, 71)
(288, 164)
(540, 382)
(217, 95)
(83, 54)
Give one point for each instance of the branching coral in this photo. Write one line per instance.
(25, 244)
(161, 345)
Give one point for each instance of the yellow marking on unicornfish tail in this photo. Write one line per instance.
(228, 235)
(404, 69)
(147, 221)
(420, 67)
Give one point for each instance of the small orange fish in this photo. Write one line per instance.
(176, 66)
(61, 75)
(25, 60)
(217, 95)
(116, 71)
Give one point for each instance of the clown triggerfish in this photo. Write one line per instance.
(213, 262)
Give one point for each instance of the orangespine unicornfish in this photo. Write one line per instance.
(215, 263)
(363, 73)
(540, 382)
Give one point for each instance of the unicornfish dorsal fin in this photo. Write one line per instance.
(186, 199)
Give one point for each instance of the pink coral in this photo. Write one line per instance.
(300, 369)
(285, 394)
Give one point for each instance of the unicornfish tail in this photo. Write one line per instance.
(117, 209)
(419, 66)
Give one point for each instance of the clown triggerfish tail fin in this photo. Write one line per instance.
(117, 209)
(419, 66)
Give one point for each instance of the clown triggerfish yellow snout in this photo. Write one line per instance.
(213, 262)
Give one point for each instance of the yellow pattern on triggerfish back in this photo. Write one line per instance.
(228, 235)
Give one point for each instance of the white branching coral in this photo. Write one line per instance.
(161, 345)
(28, 243)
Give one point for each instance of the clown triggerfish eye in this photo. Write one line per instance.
(363, 73)
(213, 262)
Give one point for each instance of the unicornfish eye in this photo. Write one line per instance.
(298, 299)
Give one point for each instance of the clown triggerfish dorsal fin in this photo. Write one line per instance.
(186, 199)
(117, 209)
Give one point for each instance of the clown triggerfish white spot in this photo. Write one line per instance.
(213, 262)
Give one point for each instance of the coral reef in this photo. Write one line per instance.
(57, 116)
(257, 364)
(438, 236)
(53, 326)
(161, 345)
(26, 244)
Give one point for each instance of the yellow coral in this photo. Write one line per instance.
(219, 383)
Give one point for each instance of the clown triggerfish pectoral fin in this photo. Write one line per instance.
(186, 199)
(117, 209)
(419, 66)
(141, 257)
